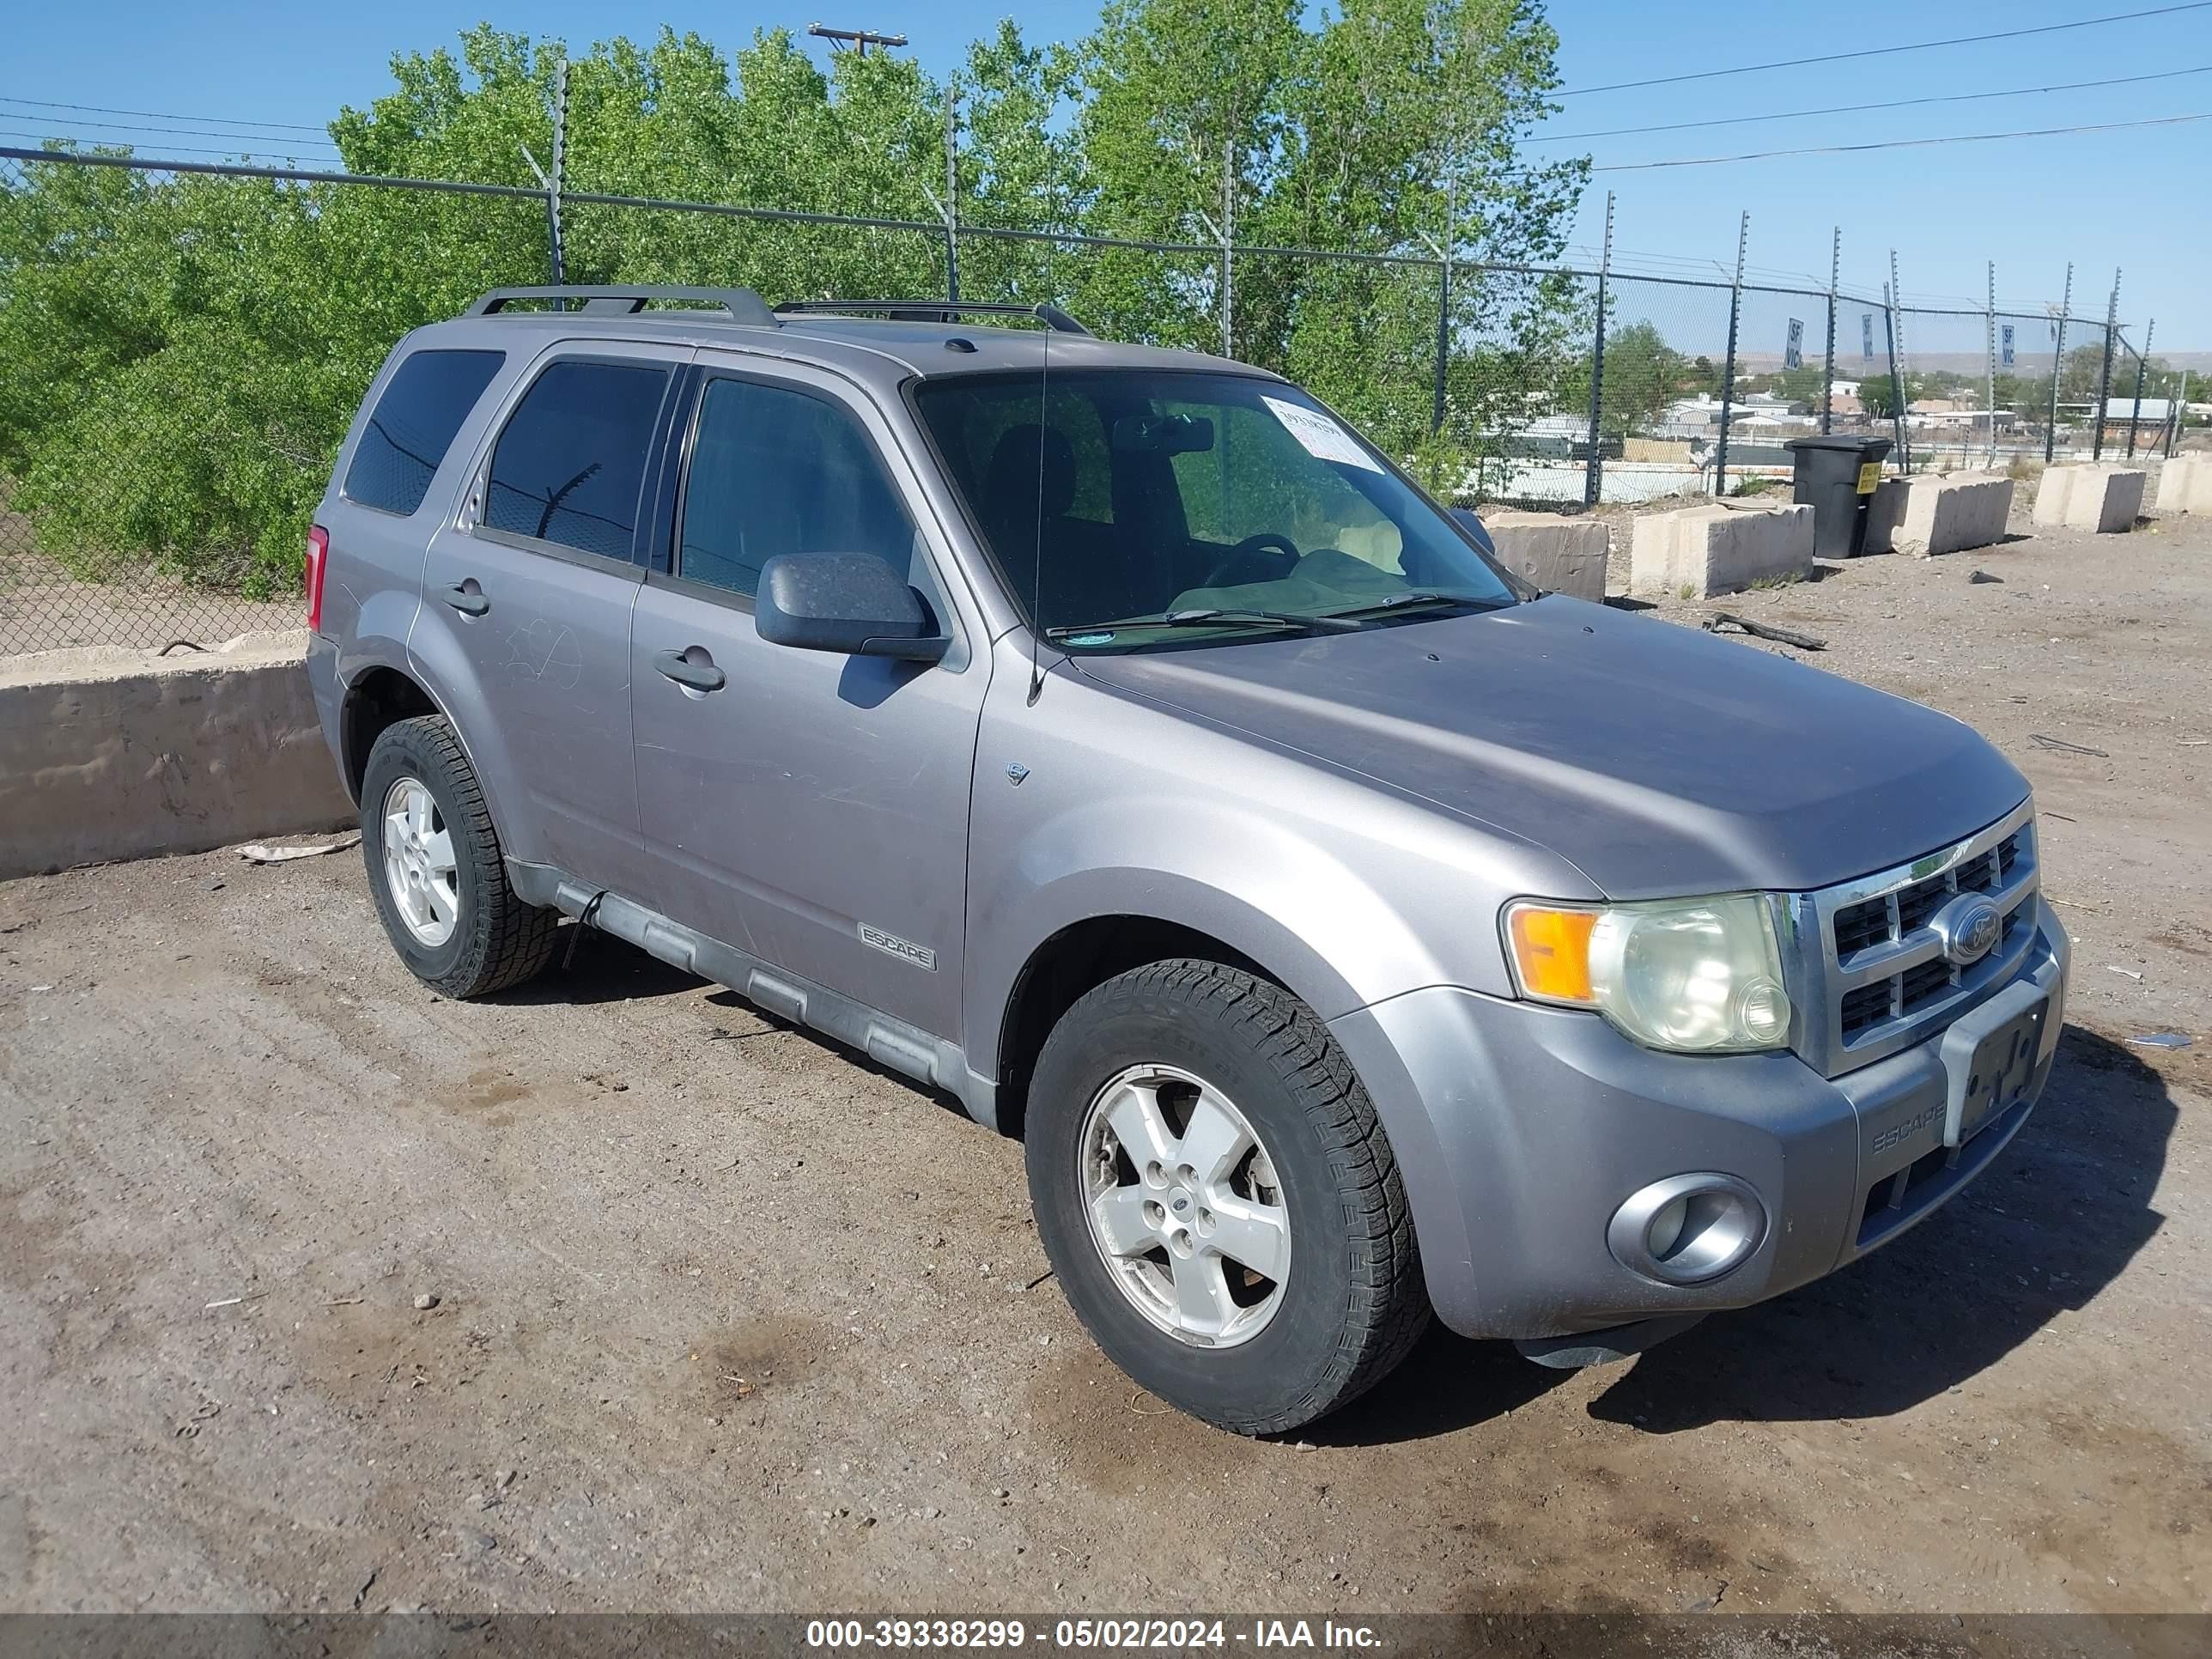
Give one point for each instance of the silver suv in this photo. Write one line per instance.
(1111, 738)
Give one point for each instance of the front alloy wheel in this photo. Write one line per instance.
(1184, 1206)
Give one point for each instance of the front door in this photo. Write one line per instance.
(809, 809)
(525, 624)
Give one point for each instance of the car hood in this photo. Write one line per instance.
(1659, 760)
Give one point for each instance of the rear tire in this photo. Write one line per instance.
(1260, 1153)
(435, 870)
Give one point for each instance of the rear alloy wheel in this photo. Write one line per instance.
(1218, 1199)
(419, 872)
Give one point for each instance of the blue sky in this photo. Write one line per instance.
(2133, 199)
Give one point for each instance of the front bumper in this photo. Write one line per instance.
(1520, 1130)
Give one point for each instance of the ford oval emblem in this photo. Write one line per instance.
(1969, 927)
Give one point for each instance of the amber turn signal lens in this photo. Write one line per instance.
(1551, 952)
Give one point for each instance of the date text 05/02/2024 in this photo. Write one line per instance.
(1109, 1635)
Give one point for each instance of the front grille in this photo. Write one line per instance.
(1884, 963)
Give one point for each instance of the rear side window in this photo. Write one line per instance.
(570, 465)
(413, 424)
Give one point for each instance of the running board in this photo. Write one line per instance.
(885, 1039)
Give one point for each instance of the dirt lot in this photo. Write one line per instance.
(726, 1320)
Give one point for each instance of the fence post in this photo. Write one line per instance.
(1896, 380)
(1993, 363)
(1593, 466)
(559, 172)
(1897, 361)
(1728, 373)
(1228, 232)
(1828, 367)
(2142, 369)
(2105, 373)
(1444, 305)
(952, 189)
(2174, 411)
(2057, 369)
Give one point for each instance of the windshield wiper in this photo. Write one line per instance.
(1423, 599)
(1210, 616)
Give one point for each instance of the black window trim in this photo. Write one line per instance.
(663, 568)
(634, 566)
(344, 490)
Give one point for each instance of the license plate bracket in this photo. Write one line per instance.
(1989, 1057)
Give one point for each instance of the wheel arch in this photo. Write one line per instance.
(376, 699)
(1077, 958)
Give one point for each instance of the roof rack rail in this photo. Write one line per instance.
(933, 311)
(741, 304)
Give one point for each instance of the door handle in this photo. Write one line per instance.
(467, 601)
(699, 675)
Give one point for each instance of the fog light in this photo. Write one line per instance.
(1688, 1229)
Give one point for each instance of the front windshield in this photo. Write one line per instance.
(1140, 497)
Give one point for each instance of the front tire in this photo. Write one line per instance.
(435, 869)
(1218, 1199)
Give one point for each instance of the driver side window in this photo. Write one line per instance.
(1255, 480)
(777, 470)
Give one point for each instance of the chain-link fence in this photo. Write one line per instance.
(182, 347)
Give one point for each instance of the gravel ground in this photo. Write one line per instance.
(724, 1319)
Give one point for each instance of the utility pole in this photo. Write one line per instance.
(2057, 369)
(859, 39)
(1728, 374)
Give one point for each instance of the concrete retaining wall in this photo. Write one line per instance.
(1947, 512)
(1561, 556)
(1718, 549)
(1885, 512)
(2091, 496)
(2185, 484)
(113, 754)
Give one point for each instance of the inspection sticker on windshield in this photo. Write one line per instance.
(1321, 436)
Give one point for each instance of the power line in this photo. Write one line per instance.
(1899, 143)
(1883, 51)
(167, 115)
(274, 147)
(1854, 109)
(191, 132)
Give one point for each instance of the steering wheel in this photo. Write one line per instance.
(1251, 544)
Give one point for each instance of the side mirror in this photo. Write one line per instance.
(852, 604)
(1471, 522)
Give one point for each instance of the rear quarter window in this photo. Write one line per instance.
(413, 425)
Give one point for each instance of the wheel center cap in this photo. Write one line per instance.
(1180, 1204)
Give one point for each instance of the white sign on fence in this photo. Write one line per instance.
(1866, 335)
(1793, 355)
(2004, 345)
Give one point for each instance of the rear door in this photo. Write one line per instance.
(812, 810)
(526, 606)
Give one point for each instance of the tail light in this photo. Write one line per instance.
(319, 556)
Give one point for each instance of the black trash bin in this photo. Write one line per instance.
(1836, 474)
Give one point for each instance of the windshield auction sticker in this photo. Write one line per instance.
(1321, 436)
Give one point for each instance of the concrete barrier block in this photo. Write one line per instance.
(1719, 549)
(2185, 484)
(109, 754)
(2093, 495)
(1561, 556)
(1885, 512)
(1946, 511)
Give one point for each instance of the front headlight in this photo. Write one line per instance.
(1694, 976)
